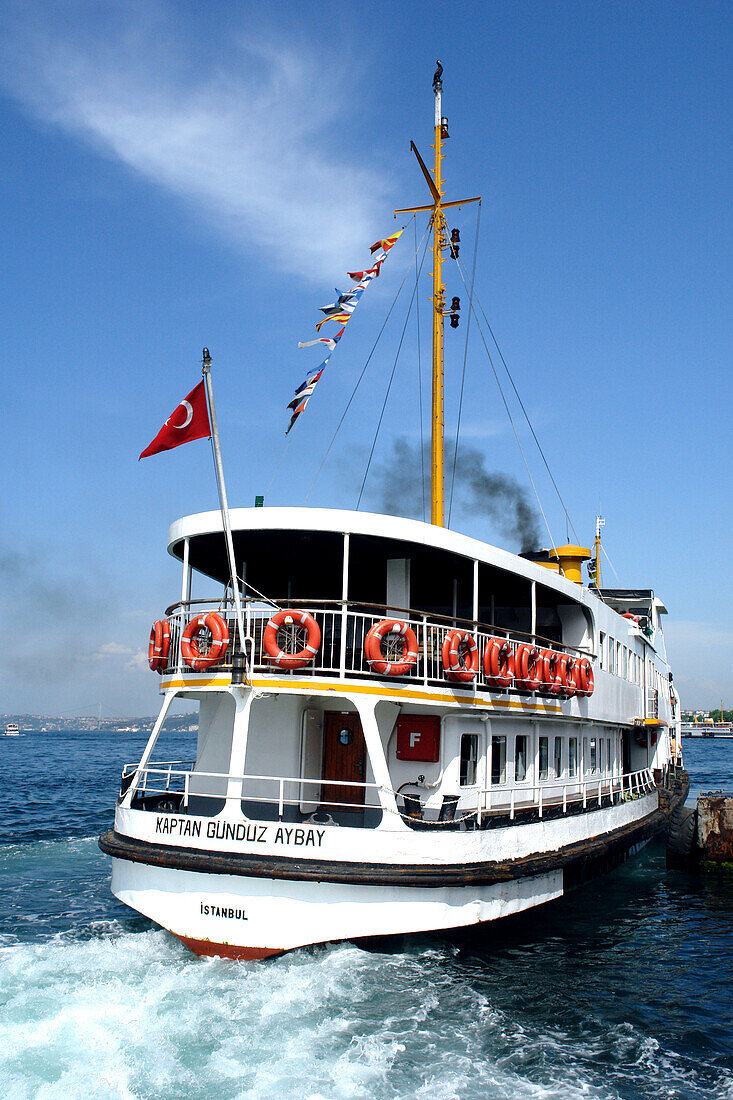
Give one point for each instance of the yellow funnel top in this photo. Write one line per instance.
(571, 559)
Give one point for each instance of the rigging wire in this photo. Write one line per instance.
(613, 567)
(391, 377)
(526, 415)
(419, 383)
(363, 371)
(511, 419)
(463, 372)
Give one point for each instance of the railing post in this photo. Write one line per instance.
(585, 793)
(281, 799)
(599, 792)
(185, 789)
(425, 649)
(344, 632)
(539, 800)
(564, 798)
(511, 806)
(168, 778)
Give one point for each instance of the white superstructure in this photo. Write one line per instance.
(328, 801)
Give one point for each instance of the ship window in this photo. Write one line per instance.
(572, 757)
(600, 755)
(558, 757)
(498, 760)
(609, 763)
(602, 650)
(544, 757)
(520, 757)
(593, 759)
(469, 759)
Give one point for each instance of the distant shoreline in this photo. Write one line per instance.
(47, 722)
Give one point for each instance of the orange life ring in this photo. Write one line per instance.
(373, 647)
(454, 670)
(583, 674)
(498, 663)
(565, 667)
(528, 667)
(159, 645)
(550, 683)
(219, 641)
(291, 617)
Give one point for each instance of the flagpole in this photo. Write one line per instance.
(206, 364)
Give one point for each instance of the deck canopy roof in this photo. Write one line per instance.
(254, 527)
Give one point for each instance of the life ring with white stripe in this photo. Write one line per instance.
(373, 647)
(528, 667)
(291, 617)
(583, 674)
(159, 645)
(565, 667)
(219, 631)
(498, 663)
(551, 684)
(460, 666)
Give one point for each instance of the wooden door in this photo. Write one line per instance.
(344, 757)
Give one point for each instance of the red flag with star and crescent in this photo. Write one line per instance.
(188, 421)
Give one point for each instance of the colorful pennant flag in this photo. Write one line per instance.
(340, 311)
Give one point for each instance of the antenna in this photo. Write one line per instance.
(600, 522)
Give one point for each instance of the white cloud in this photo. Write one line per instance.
(254, 145)
(113, 649)
(138, 662)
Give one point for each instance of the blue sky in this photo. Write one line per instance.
(177, 175)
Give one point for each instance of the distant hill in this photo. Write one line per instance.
(181, 722)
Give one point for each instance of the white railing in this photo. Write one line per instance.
(476, 804)
(344, 628)
(589, 790)
(166, 778)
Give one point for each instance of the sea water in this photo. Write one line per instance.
(622, 989)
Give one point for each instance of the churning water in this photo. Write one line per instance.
(622, 989)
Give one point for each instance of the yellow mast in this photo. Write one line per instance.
(440, 241)
(437, 448)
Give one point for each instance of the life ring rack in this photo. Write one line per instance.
(219, 631)
(291, 617)
(461, 668)
(373, 647)
(498, 663)
(159, 645)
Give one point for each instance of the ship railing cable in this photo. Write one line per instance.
(391, 379)
(568, 520)
(364, 368)
(465, 357)
(509, 414)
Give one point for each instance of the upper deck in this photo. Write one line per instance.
(329, 554)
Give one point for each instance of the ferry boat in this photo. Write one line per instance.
(410, 730)
(12, 729)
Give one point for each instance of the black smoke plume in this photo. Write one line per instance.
(397, 484)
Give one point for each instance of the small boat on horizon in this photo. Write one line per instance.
(12, 729)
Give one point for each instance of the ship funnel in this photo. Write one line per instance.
(571, 559)
(561, 559)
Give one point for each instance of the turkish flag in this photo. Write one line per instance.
(189, 420)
